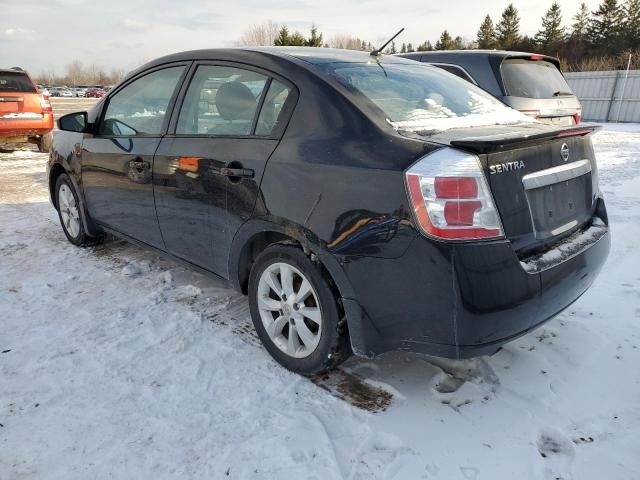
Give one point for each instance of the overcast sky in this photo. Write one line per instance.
(44, 34)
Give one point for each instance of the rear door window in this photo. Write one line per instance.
(457, 71)
(533, 79)
(221, 100)
(16, 82)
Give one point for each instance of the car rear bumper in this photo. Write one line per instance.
(11, 127)
(461, 301)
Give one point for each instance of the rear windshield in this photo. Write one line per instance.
(533, 79)
(16, 82)
(422, 98)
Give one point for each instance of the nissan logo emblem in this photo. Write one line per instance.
(564, 152)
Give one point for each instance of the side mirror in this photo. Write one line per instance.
(74, 122)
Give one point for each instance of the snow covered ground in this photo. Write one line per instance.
(118, 364)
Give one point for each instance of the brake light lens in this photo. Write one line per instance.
(450, 197)
(536, 56)
(577, 118)
(455, 187)
(45, 104)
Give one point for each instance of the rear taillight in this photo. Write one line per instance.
(577, 118)
(450, 197)
(45, 104)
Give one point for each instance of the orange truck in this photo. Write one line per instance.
(25, 113)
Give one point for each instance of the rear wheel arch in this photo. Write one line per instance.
(250, 251)
(255, 236)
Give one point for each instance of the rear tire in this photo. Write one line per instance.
(44, 143)
(70, 213)
(296, 312)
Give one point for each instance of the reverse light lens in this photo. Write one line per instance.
(450, 197)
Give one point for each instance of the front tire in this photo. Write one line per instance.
(70, 213)
(295, 311)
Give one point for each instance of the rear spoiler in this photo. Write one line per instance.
(534, 57)
(509, 141)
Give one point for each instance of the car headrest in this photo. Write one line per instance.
(235, 101)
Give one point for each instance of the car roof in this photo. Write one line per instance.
(313, 55)
(318, 55)
(12, 70)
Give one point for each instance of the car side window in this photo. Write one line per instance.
(272, 108)
(221, 101)
(140, 107)
(459, 72)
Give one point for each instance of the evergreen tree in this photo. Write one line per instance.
(297, 40)
(487, 34)
(445, 42)
(526, 44)
(552, 33)
(580, 23)
(404, 48)
(508, 28)
(632, 23)
(605, 29)
(314, 40)
(393, 50)
(458, 43)
(410, 48)
(425, 47)
(283, 37)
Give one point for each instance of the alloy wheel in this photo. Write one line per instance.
(289, 310)
(69, 210)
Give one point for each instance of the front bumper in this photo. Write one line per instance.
(462, 300)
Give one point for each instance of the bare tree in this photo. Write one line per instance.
(263, 34)
(346, 42)
(75, 72)
(78, 74)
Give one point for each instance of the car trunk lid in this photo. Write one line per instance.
(543, 179)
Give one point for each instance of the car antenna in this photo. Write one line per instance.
(378, 51)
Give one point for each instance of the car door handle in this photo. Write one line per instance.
(139, 164)
(237, 172)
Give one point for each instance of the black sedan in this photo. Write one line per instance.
(365, 203)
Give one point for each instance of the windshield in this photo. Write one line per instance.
(533, 79)
(422, 98)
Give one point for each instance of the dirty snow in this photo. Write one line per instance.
(22, 115)
(569, 247)
(118, 364)
(426, 123)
